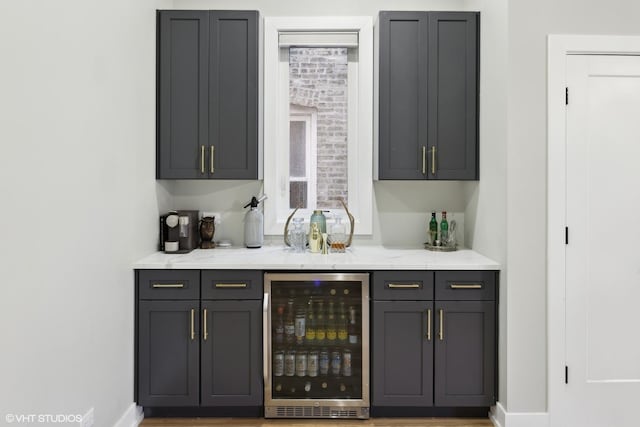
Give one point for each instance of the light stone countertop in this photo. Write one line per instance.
(280, 257)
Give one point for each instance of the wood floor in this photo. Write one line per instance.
(261, 422)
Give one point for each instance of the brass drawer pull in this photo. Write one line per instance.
(205, 334)
(403, 286)
(193, 330)
(433, 160)
(231, 285)
(429, 325)
(441, 332)
(168, 285)
(202, 159)
(469, 286)
(211, 159)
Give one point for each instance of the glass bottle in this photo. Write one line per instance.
(444, 229)
(433, 229)
(319, 218)
(321, 327)
(300, 325)
(353, 327)
(297, 235)
(289, 324)
(279, 326)
(310, 334)
(342, 324)
(332, 330)
(338, 236)
(278, 363)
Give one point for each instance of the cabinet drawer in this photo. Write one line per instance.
(466, 285)
(402, 285)
(231, 284)
(169, 284)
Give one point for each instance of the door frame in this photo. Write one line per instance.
(558, 48)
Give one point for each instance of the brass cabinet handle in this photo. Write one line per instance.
(429, 325)
(403, 286)
(230, 285)
(212, 169)
(193, 328)
(167, 285)
(441, 332)
(424, 160)
(433, 160)
(202, 159)
(469, 286)
(205, 334)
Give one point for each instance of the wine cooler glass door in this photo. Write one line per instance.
(316, 329)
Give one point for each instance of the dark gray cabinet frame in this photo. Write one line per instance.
(408, 371)
(176, 366)
(416, 367)
(207, 94)
(428, 87)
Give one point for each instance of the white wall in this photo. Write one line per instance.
(529, 25)
(79, 203)
(485, 214)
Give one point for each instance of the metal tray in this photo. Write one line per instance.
(430, 247)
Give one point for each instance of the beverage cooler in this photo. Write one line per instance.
(316, 344)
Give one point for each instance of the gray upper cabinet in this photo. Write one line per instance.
(428, 95)
(207, 101)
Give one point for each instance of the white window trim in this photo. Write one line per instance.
(276, 124)
(309, 117)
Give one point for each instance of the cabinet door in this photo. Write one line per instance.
(233, 95)
(403, 118)
(452, 92)
(231, 353)
(402, 357)
(168, 353)
(465, 353)
(182, 104)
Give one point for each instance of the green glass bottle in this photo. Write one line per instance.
(433, 228)
(444, 229)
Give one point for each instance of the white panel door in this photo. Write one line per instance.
(603, 254)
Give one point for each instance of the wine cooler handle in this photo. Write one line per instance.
(266, 359)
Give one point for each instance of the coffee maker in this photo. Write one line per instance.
(179, 231)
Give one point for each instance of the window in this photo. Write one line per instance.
(303, 151)
(318, 123)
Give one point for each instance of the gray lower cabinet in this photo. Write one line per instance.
(402, 368)
(207, 100)
(168, 355)
(438, 349)
(465, 356)
(199, 339)
(232, 354)
(428, 95)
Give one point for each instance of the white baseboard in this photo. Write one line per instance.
(132, 417)
(501, 418)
